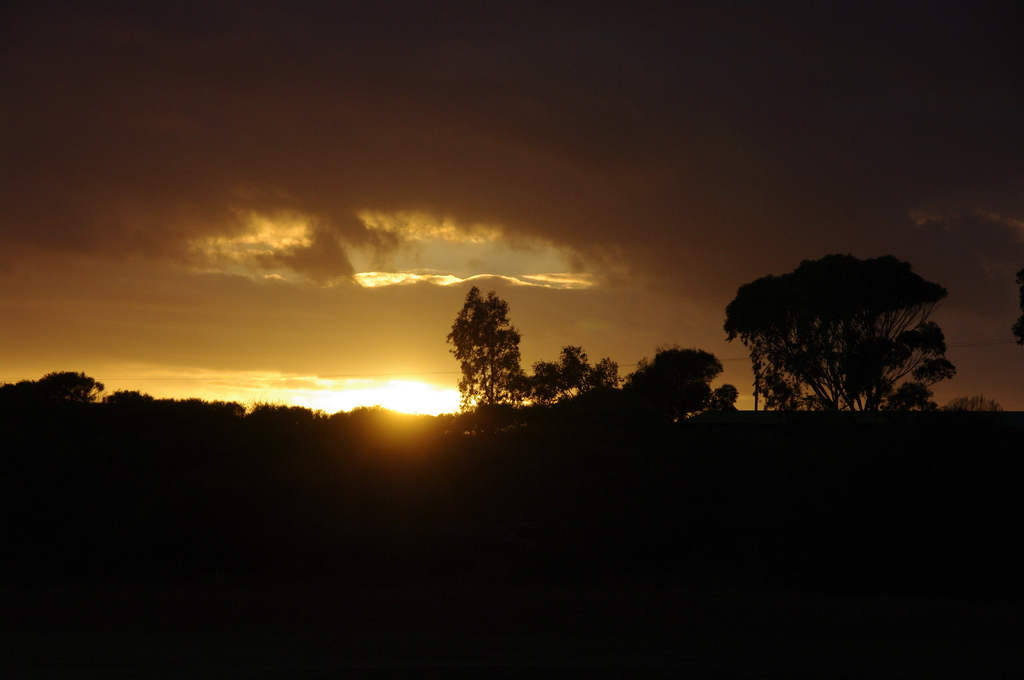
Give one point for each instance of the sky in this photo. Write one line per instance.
(288, 202)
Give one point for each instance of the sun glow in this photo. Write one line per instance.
(328, 394)
(406, 396)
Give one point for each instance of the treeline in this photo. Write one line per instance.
(835, 334)
(674, 385)
(141, 488)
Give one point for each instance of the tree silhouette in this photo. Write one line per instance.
(723, 398)
(545, 387)
(486, 345)
(910, 396)
(677, 383)
(1018, 327)
(128, 398)
(65, 386)
(841, 333)
(605, 374)
(975, 403)
(571, 376)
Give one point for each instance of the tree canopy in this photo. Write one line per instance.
(975, 403)
(677, 383)
(57, 388)
(571, 376)
(486, 345)
(842, 333)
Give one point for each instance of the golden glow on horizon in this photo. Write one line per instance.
(406, 396)
(325, 394)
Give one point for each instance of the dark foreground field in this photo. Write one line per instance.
(199, 540)
(218, 631)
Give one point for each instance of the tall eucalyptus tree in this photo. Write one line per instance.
(486, 345)
(842, 333)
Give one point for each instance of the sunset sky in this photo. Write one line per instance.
(289, 201)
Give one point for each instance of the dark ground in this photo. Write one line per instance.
(167, 539)
(234, 631)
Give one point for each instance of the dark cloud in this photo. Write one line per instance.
(323, 259)
(975, 255)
